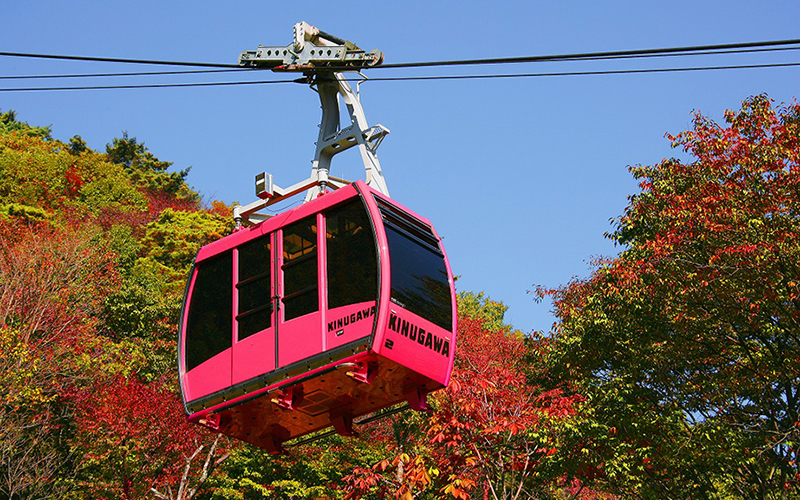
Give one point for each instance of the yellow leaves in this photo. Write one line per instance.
(459, 488)
(44, 174)
(175, 236)
(19, 371)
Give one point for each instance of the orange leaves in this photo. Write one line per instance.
(401, 476)
(485, 431)
(221, 209)
(72, 263)
(361, 481)
(382, 465)
(483, 426)
(695, 324)
(459, 488)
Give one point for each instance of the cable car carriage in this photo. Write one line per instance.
(324, 314)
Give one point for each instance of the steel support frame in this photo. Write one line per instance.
(332, 140)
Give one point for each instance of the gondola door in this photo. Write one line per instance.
(300, 321)
(254, 306)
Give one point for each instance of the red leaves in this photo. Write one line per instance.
(361, 481)
(70, 230)
(74, 181)
(480, 433)
(698, 317)
(56, 281)
(400, 476)
(133, 432)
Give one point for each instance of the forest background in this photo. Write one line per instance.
(672, 371)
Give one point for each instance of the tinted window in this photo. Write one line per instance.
(254, 287)
(352, 261)
(419, 275)
(300, 268)
(208, 329)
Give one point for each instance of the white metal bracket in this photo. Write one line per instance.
(331, 85)
(311, 49)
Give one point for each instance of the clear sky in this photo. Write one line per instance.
(520, 176)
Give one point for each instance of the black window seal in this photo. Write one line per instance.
(386, 207)
(296, 294)
(409, 225)
(426, 245)
(253, 279)
(299, 260)
(419, 233)
(254, 310)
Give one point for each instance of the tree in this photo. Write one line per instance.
(492, 430)
(44, 174)
(34, 451)
(173, 239)
(189, 486)
(53, 283)
(93, 258)
(490, 434)
(51, 288)
(9, 124)
(479, 306)
(134, 438)
(147, 171)
(693, 331)
(77, 145)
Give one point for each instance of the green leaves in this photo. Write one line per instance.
(672, 373)
(93, 258)
(43, 174)
(478, 306)
(174, 238)
(691, 334)
(147, 171)
(9, 124)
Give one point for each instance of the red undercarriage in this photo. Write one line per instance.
(333, 395)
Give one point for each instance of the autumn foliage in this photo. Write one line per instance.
(490, 433)
(692, 332)
(89, 406)
(673, 370)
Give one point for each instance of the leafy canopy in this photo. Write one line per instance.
(693, 332)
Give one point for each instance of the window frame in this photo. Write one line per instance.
(239, 284)
(228, 305)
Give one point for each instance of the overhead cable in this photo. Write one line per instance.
(582, 73)
(144, 86)
(119, 60)
(682, 54)
(503, 60)
(416, 78)
(594, 55)
(243, 69)
(138, 73)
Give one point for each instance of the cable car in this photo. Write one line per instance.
(312, 318)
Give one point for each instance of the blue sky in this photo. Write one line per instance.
(520, 176)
